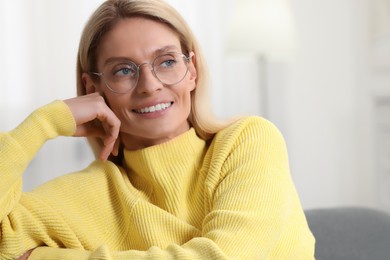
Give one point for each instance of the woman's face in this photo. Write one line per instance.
(150, 113)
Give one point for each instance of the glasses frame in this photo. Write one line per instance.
(186, 59)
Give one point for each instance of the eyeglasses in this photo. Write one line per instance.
(169, 68)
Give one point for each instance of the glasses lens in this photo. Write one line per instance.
(121, 77)
(170, 68)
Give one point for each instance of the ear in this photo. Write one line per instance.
(89, 83)
(192, 68)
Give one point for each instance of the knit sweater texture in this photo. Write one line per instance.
(230, 198)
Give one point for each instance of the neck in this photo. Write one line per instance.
(132, 142)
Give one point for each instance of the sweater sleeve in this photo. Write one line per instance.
(19, 146)
(255, 207)
(255, 212)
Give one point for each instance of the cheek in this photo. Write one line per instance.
(124, 117)
(192, 86)
(187, 92)
(118, 104)
(187, 102)
(188, 86)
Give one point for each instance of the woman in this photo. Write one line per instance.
(170, 181)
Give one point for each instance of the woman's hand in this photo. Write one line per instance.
(95, 119)
(26, 255)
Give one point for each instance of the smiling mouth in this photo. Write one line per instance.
(156, 108)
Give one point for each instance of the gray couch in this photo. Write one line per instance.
(350, 233)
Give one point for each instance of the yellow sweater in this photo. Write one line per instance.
(183, 199)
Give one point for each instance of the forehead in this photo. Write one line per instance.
(137, 39)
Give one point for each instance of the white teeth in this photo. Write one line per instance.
(156, 108)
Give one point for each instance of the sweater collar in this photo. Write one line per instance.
(173, 156)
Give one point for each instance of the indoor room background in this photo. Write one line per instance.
(320, 70)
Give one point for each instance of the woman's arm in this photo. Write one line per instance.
(17, 149)
(19, 146)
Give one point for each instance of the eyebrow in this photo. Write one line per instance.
(154, 53)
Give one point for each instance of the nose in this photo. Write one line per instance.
(147, 81)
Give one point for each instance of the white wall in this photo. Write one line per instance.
(324, 103)
(322, 113)
(321, 101)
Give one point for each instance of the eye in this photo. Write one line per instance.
(166, 61)
(124, 70)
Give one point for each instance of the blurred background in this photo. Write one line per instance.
(320, 70)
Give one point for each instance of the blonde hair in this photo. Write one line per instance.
(109, 14)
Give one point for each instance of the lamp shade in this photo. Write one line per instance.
(264, 27)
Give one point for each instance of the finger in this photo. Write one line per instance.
(103, 155)
(90, 130)
(111, 125)
(26, 255)
(105, 152)
(110, 141)
(115, 152)
(106, 131)
(95, 119)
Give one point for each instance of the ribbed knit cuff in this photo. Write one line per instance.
(47, 122)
